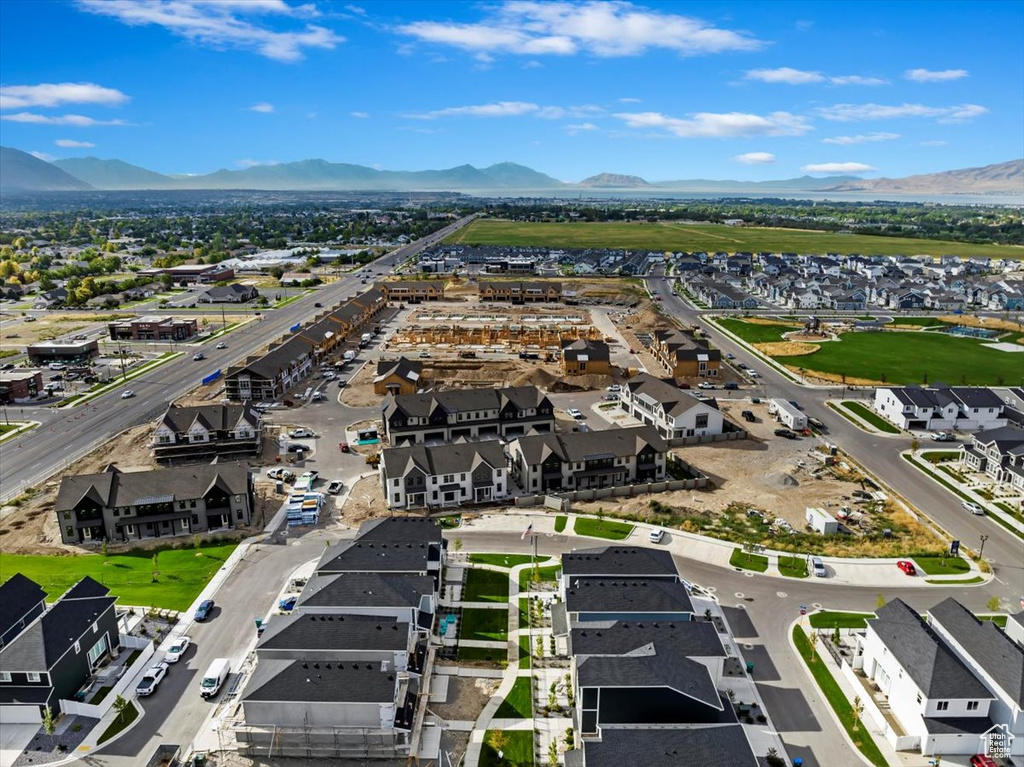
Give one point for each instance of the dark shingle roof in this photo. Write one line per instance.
(653, 669)
(957, 725)
(586, 595)
(723, 746)
(366, 590)
(593, 351)
(434, 460)
(681, 638)
(320, 682)
(18, 595)
(322, 631)
(117, 488)
(404, 529)
(931, 665)
(374, 556)
(986, 643)
(212, 417)
(584, 446)
(410, 370)
(619, 561)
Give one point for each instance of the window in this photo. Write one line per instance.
(972, 705)
(67, 515)
(397, 497)
(5, 676)
(69, 532)
(130, 529)
(919, 697)
(942, 705)
(702, 421)
(33, 676)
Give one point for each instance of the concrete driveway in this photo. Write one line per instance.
(13, 740)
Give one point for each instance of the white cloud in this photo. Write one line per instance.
(497, 109)
(860, 139)
(711, 125)
(857, 80)
(785, 75)
(263, 107)
(359, 115)
(838, 167)
(43, 156)
(247, 163)
(755, 158)
(221, 23)
(629, 100)
(935, 142)
(78, 120)
(56, 94)
(598, 27)
(854, 112)
(930, 76)
(358, 11)
(574, 130)
(69, 143)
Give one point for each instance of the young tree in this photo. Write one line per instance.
(992, 604)
(836, 636)
(858, 709)
(156, 565)
(120, 705)
(915, 445)
(813, 639)
(497, 740)
(457, 545)
(49, 723)
(880, 601)
(553, 753)
(773, 759)
(103, 548)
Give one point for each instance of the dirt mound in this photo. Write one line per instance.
(538, 377)
(772, 321)
(787, 348)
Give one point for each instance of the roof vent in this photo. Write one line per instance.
(305, 665)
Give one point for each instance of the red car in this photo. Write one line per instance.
(907, 567)
(983, 760)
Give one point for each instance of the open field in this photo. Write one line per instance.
(756, 332)
(710, 237)
(52, 325)
(180, 573)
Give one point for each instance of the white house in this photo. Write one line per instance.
(444, 475)
(941, 706)
(673, 412)
(958, 407)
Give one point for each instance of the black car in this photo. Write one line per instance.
(785, 433)
(731, 385)
(748, 416)
(204, 610)
(318, 305)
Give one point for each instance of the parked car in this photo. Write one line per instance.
(818, 567)
(297, 447)
(943, 436)
(705, 385)
(288, 604)
(748, 416)
(281, 473)
(610, 397)
(731, 386)
(973, 508)
(785, 433)
(907, 567)
(318, 305)
(329, 375)
(614, 388)
(983, 760)
(342, 383)
(300, 432)
(730, 356)
(742, 365)
(685, 386)
(657, 535)
(198, 356)
(177, 650)
(151, 679)
(795, 404)
(575, 413)
(204, 610)
(335, 486)
(127, 394)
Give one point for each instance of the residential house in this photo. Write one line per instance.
(412, 291)
(957, 407)
(401, 376)
(686, 356)
(585, 357)
(941, 706)
(419, 476)
(673, 412)
(116, 505)
(999, 453)
(208, 431)
(469, 413)
(229, 294)
(721, 745)
(53, 654)
(520, 292)
(406, 597)
(21, 600)
(599, 600)
(611, 562)
(585, 460)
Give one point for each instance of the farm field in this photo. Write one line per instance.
(710, 237)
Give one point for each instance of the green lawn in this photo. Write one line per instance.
(793, 567)
(560, 521)
(524, 651)
(747, 561)
(182, 574)
(709, 237)
(755, 333)
(957, 582)
(100, 695)
(937, 456)
(483, 623)
(870, 416)
(548, 573)
(602, 528)
(840, 705)
(500, 560)
(524, 612)
(999, 620)
(517, 751)
(485, 586)
(497, 655)
(940, 566)
(129, 715)
(830, 620)
(924, 322)
(519, 702)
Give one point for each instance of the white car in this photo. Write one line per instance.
(301, 432)
(705, 385)
(818, 567)
(973, 508)
(752, 373)
(127, 394)
(614, 388)
(177, 650)
(657, 535)
(151, 680)
(335, 487)
(329, 375)
(221, 345)
(575, 413)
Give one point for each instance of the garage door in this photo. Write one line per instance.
(20, 715)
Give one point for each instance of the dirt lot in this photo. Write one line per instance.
(53, 325)
(466, 698)
(364, 502)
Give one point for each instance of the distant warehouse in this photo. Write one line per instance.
(191, 274)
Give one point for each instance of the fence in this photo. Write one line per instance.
(727, 436)
(625, 491)
(96, 711)
(898, 740)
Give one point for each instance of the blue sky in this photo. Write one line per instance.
(663, 90)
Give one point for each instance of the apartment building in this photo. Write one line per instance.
(421, 476)
(674, 412)
(686, 356)
(519, 292)
(208, 431)
(412, 291)
(998, 453)
(956, 407)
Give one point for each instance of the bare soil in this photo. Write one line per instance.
(787, 348)
(52, 325)
(366, 501)
(467, 697)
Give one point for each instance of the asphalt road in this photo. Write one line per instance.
(879, 455)
(30, 459)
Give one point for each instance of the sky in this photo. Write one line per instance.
(662, 90)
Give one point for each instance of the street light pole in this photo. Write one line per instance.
(981, 551)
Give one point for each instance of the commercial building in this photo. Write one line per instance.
(444, 475)
(208, 431)
(153, 329)
(192, 274)
(585, 357)
(71, 352)
(585, 460)
(229, 294)
(19, 385)
(115, 505)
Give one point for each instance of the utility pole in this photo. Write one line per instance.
(981, 551)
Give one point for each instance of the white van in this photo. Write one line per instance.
(214, 677)
(818, 567)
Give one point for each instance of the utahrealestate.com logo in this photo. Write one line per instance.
(997, 741)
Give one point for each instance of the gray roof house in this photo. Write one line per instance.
(721, 746)
(632, 600)
(21, 601)
(619, 562)
(203, 432)
(444, 475)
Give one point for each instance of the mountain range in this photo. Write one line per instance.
(22, 172)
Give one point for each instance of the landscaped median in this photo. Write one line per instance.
(602, 528)
(744, 560)
(12, 430)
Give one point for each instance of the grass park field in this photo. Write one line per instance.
(910, 357)
(710, 237)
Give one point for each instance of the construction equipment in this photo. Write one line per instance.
(373, 459)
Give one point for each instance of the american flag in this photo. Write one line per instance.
(527, 532)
